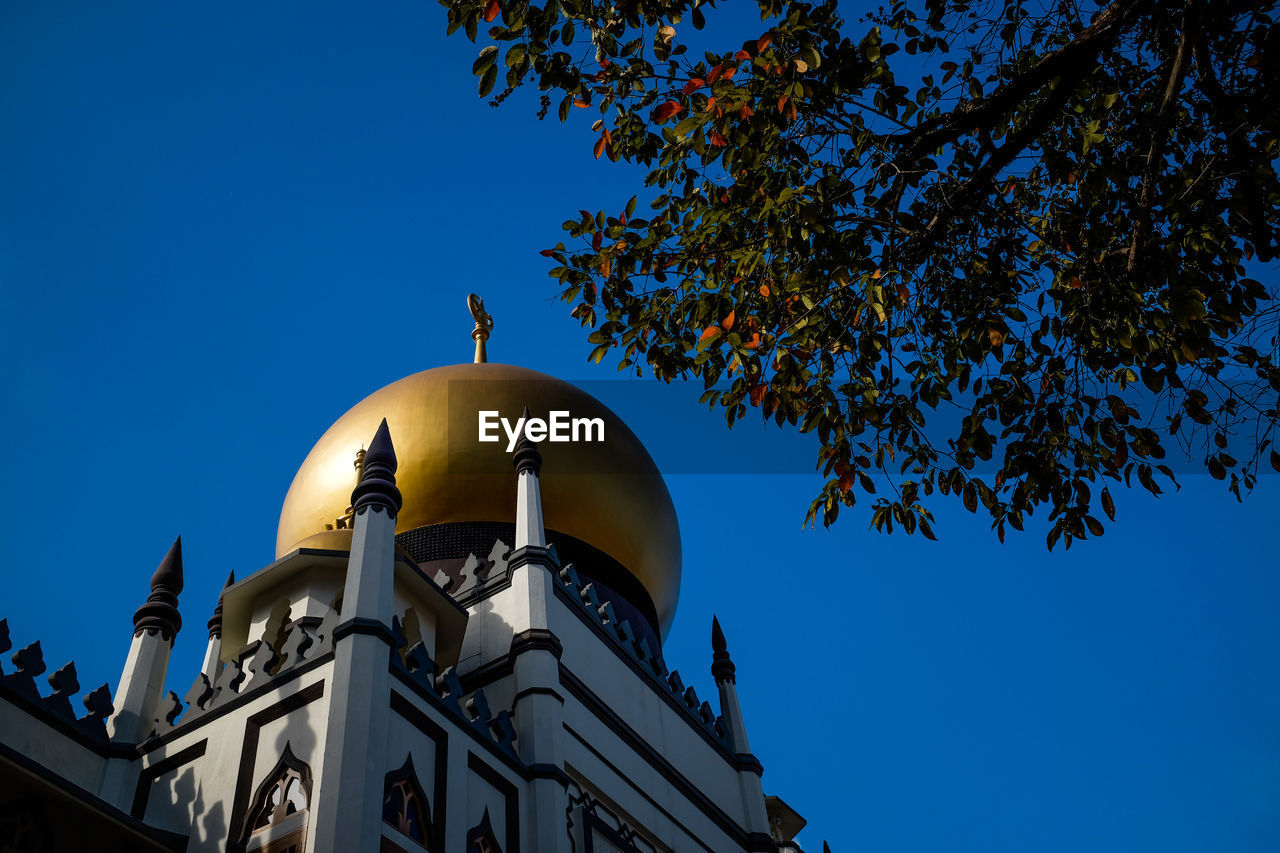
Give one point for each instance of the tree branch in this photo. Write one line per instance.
(1160, 133)
(943, 128)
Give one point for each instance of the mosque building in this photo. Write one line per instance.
(457, 648)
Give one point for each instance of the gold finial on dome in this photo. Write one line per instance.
(348, 518)
(484, 325)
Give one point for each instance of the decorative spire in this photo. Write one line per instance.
(161, 609)
(722, 668)
(526, 456)
(484, 325)
(215, 623)
(377, 486)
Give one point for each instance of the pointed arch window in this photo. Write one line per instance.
(277, 821)
(405, 806)
(480, 838)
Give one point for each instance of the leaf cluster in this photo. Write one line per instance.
(997, 250)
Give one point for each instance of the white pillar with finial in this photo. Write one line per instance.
(349, 795)
(155, 625)
(213, 652)
(535, 650)
(749, 769)
(528, 461)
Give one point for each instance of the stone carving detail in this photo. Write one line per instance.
(20, 684)
(477, 575)
(65, 685)
(306, 640)
(650, 660)
(415, 662)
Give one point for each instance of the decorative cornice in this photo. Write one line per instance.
(55, 710)
(366, 627)
(377, 486)
(548, 771)
(531, 554)
(536, 639)
(536, 691)
(160, 612)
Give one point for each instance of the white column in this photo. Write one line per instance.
(354, 767)
(529, 526)
(137, 698)
(155, 625)
(725, 675)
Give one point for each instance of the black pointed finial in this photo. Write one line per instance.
(215, 623)
(722, 668)
(377, 486)
(160, 613)
(526, 456)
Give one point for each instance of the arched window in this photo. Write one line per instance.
(480, 838)
(404, 806)
(277, 821)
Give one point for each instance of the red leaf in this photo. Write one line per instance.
(765, 41)
(742, 54)
(546, 253)
(666, 110)
(715, 74)
(491, 10)
(717, 140)
(728, 73)
(727, 322)
(596, 240)
(745, 112)
(694, 85)
(756, 394)
(599, 146)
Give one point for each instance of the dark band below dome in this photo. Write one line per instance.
(456, 540)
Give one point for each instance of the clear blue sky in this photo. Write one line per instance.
(223, 224)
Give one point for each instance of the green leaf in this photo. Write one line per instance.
(484, 60)
(488, 79)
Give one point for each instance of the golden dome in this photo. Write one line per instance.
(608, 494)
